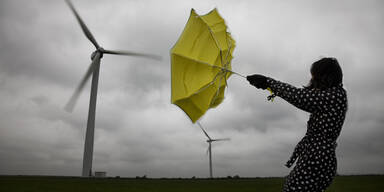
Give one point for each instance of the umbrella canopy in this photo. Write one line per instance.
(201, 64)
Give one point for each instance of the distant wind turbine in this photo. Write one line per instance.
(94, 71)
(210, 140)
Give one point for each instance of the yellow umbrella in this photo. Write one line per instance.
(201, 64)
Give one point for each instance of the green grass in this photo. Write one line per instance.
(74, 184)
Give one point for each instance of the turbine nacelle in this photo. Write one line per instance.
(98, 50)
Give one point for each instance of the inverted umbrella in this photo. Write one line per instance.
(201, 64)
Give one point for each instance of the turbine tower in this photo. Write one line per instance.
(94, 71)
(209, 141)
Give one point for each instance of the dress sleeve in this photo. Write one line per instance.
(309, 100)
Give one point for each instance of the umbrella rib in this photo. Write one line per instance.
(205, 63)
(226, 65)
(218, 87)
(211, 32)
(225, 68)
(229, 50)
(209, 84)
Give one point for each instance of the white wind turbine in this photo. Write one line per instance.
(209, 141)
(94, 71)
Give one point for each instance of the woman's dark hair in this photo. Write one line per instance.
(326, 73)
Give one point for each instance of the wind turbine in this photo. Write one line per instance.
(94, 71)
(210, 140)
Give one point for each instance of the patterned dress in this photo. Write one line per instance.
(315, 153)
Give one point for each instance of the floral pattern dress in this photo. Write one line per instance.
(315, 153)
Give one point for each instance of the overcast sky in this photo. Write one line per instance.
(43, 56)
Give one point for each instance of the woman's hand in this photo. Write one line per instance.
(259, 81)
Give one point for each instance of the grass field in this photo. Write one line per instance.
(74, 184)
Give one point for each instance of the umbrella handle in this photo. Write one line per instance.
(270, 97)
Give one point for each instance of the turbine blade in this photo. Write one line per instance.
(85, 29)
(72, 101)
(223, 139)
(129, 53)
(207, 151)
(206, 134)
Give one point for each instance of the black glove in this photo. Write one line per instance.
(259, 81)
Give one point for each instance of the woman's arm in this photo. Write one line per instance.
(309, 100)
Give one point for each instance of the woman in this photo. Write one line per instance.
(326, 101)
